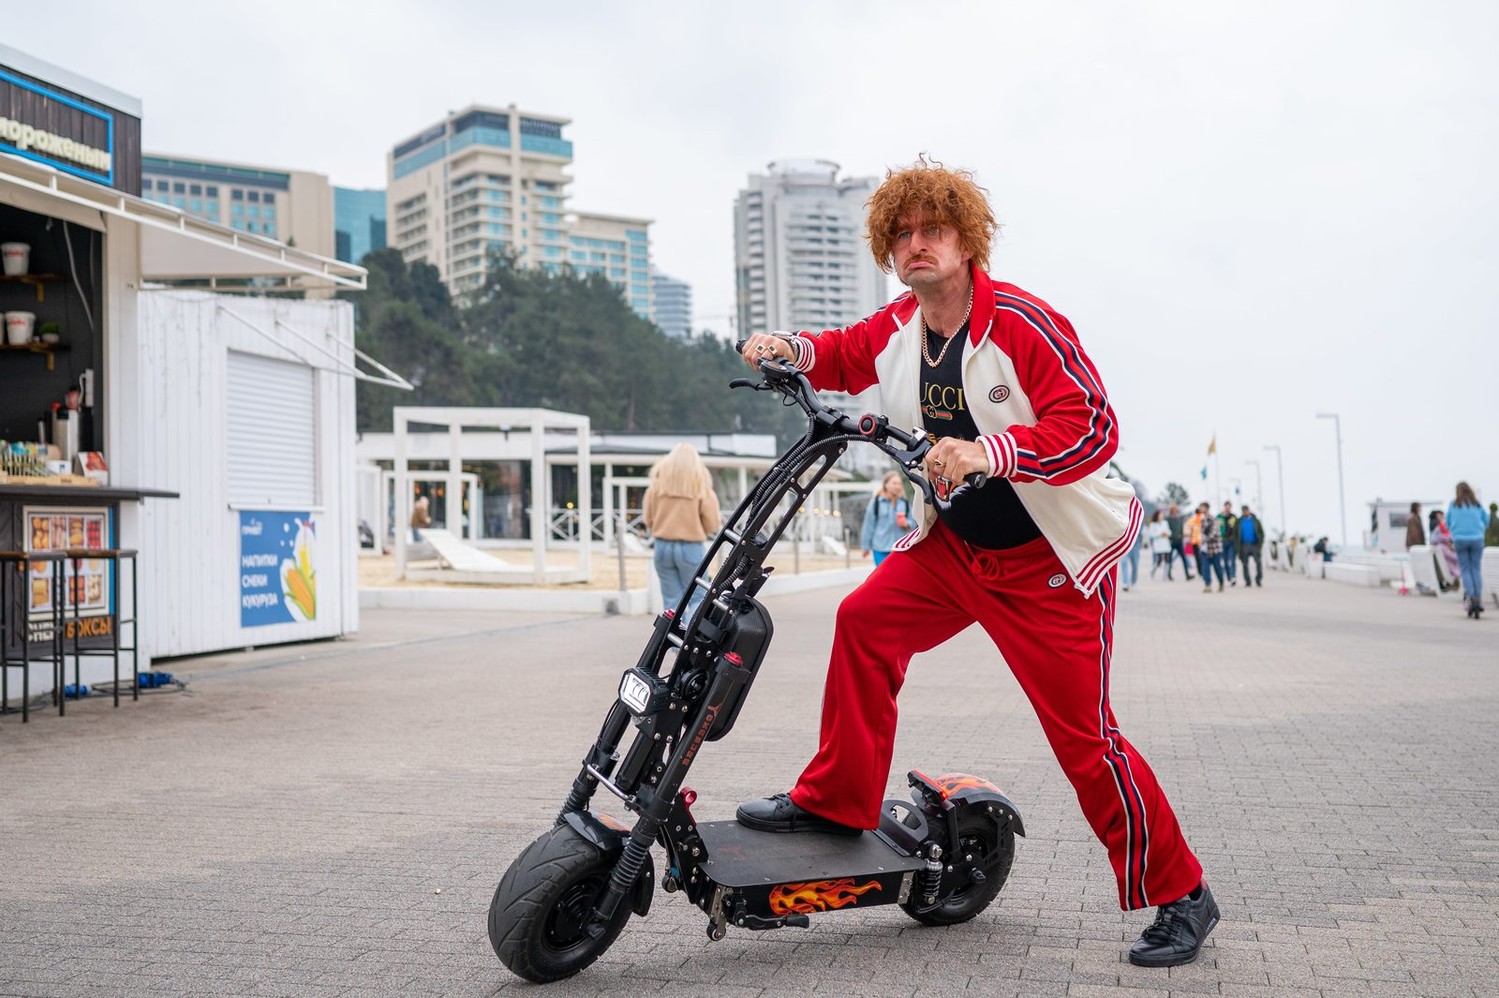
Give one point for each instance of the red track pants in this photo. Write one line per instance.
(1057, 643)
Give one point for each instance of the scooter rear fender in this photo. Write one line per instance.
(956, 790)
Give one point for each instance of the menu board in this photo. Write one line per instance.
(90, 601)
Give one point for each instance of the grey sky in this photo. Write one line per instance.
(1251, 213)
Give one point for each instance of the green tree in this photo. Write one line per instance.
(406, 319)
(1174, 493)
(558, 341)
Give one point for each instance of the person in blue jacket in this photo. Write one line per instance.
(887, 519)
(1467, 520)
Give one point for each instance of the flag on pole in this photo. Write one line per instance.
(1213, 444)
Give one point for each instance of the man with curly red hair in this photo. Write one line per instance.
(1001, 384)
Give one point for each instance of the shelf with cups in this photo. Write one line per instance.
(49, 349)
(39, 281)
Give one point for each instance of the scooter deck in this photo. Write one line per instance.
(743, 857)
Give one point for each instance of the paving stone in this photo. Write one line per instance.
(286, 826)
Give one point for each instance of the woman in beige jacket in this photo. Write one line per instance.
(681, 510)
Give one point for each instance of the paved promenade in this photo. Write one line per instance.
(331, 819)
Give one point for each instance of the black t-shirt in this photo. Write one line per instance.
(990, 517)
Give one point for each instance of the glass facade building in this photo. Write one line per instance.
(358, 223)
(489, 180)
(671, 303)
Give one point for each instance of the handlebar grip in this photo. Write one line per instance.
(739, 345)
(978, 479)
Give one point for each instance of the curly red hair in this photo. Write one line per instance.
(945, 197)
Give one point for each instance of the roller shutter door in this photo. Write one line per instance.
(272, 433)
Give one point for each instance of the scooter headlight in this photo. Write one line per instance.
(642, 693)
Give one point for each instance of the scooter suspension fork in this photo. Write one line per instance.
(655, 804)
(602, 757)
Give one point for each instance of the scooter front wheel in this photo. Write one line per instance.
(978, 865)
(539, 916)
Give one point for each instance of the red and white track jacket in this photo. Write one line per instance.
(1039, 405)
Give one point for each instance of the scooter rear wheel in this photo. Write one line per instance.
(538, 918)
(961, 897)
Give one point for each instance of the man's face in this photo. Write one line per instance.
(1228, 508)
(927, 256)
(1175, 510)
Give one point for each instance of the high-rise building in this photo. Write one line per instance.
(671, 305)
(616, 247)
(291, 206)
(481, 179)
(801, 259)
(358, 223)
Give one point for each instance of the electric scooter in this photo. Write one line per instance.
(943, 856)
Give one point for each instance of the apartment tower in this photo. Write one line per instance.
(618, 249)
(671, 305)
(481, 179)
(291, 206)
(801, 258)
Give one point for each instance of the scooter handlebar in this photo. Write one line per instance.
(780, 375)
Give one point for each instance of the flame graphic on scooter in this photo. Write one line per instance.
(818, 895)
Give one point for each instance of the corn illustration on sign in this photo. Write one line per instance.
(277, 568)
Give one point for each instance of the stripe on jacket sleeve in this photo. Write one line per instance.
(1100, 426)
(806, 353)
(1101, 562)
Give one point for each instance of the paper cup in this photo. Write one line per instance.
(16, 258)
(18, 326)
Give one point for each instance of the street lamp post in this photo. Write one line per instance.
(1259, 486)
(1337, 427)
(1280, 476)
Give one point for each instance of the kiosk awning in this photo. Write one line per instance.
(174, 246)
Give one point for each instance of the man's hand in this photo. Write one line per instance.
(863, 554)
(951, 460)
(762, 346)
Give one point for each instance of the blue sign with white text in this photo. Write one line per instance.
(277, 568)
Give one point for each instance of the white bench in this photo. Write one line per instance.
(1489, 566)
(1358, 575)
(1391, 567)
(1423, 565)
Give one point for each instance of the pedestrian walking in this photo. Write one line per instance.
(1414, 533)
(1209, 546)
(1251, 543)
(680, 511)
(1450, 573)
(1467, 520)
(1159, 533)
(421, 517)
(1228, 529)
(1177, 522)
(887, 519)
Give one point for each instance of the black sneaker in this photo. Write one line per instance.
(781, 814)
(1178, 932)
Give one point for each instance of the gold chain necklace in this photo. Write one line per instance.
(926, 353)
